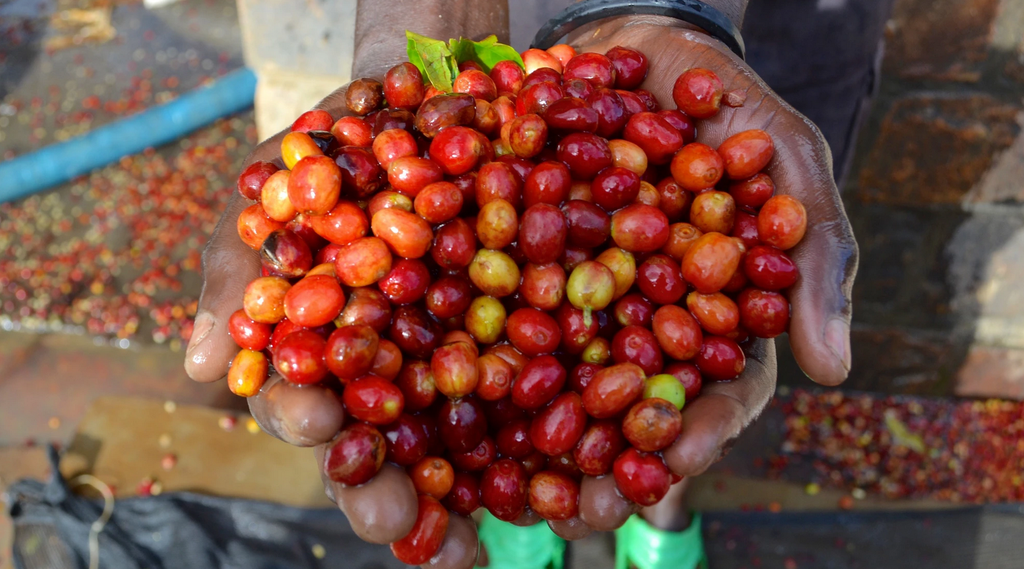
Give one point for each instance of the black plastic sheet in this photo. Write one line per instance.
(181, 531)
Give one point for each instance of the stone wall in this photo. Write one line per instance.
(936, 198)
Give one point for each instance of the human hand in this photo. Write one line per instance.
(821, 301)
(384, 509)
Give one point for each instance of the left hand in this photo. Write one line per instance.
(821, 301)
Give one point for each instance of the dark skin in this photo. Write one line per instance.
(383, 510)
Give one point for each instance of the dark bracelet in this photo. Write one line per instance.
(697, 13)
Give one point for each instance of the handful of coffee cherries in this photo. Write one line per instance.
(513, 274)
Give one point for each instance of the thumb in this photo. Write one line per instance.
(228, 267)
(821, 299)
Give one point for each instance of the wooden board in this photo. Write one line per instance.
(120, 441)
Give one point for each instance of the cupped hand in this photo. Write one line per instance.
(821, 302)
(384, 509)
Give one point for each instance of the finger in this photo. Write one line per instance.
(571, 529)
(528, 518)
(381, 511)
(822, 299)
(601, 505)
(460, 546)
(228, 266)
(302, 415)
(724, 409)
(482, 560)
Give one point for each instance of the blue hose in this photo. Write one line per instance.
(31, 173)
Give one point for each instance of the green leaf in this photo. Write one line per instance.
(489, 56)
(486, 52)
(453, 64)
(462, 49)
(433, 59)
(439, 61)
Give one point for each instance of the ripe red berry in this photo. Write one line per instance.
(652, 424)
(403, 87)
(559, 426)
(455, 369)
(716, 312)
(752, 192)
(720, 359)
(764, 314)
(640, 228)
(710, 262)
(782, 222)
(408, 440)
(661, 280)
(503, 489)
(248, 333)
(542, 233)
(540, 380)
(746, 153)
(571, 114)
(476, 83)
(554, 496)
(461, 424)
(641, 477)
(697, 167)
(698, 93)
(513, 440)
(688, 375)
(615, 188)
(585, 154)
(476, 459)
(426, 535)
(507, 76)
(250, 182)
(355, 455)
(299, 357)
(374, 400)
(638, 345)
(314, 185)
(464, 497)
(630, 67)
(659, 139)
(613, 389)
(416, 381)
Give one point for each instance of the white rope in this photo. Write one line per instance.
(99, 524)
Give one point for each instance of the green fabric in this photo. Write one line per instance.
(647, 547)
(512, 547)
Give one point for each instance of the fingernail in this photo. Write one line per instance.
(201, 328)
(837, 336)
(204, 323)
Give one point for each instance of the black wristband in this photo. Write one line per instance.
(697, 13)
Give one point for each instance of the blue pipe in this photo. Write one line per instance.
(57, 163)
